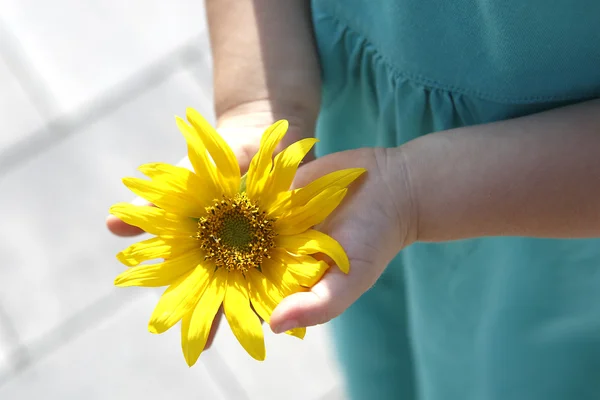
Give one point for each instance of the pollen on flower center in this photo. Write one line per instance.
(236, 234)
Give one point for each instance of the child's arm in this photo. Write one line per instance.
(265, 62)
(533, 176)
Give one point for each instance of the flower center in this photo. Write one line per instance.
(235, 234)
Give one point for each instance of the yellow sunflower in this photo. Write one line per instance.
(223, 239)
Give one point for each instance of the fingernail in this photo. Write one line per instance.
(285, 326)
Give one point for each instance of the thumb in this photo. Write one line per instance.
(331, 296)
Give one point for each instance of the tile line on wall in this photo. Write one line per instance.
(25, 73)
(222, 375)
(62, 127)
(71, 329)
(19, 355)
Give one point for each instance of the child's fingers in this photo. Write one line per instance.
(120, 228)
(326, 300)
(323, 303)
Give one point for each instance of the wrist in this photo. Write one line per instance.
(264, 112)
(397, 176)
(443, 194)
(242, 126)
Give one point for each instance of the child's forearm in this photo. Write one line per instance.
(535, 176)
(264, 57)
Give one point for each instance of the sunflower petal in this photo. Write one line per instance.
(198, 186)
(278, 274)
(312, 213)
(224, 158)
(297, 332)
(167, 196)
(156, 247)
(159, 274)
(262, 162)
(285, 167)
(244, 323)
(304, 270)
(155, 220)
(179, 299)
(311, 242)
(265, 296)
(198, 156)
(299, 197)
(339, 179)
(195, 326)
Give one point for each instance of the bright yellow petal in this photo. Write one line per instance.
(155, 220)
(224, 158)
(195, 326)
(285, 167)
(311, 242)
(160, 274)
(262, 162)
(340, 179)
(244, 323)
(277, 273)
(179, 299)
(297, 332)
(265, 296)
(200, 187)
(164, 195)
(156, 247)
(304, 270)
(299, 197)
(199, 158)
(313, 213)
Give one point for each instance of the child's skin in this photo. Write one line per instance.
(536, 176)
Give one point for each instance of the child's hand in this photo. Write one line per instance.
(375, 221)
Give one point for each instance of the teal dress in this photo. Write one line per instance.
(504, 318)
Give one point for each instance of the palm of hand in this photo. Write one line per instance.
(372, 225)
